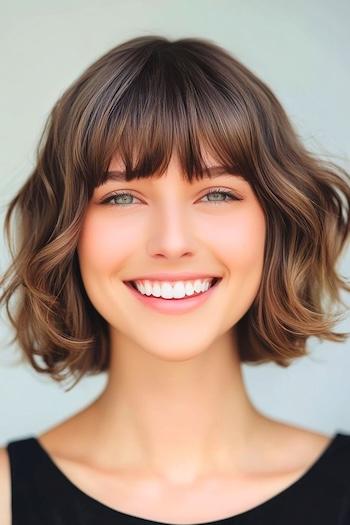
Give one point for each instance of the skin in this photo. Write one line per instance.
(173, 435)
(175, 400)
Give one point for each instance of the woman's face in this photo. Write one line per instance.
(169, 225)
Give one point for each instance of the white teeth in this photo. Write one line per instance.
(177, 290)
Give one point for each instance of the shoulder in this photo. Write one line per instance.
(5, 488)
(327, 456)
(290, 448)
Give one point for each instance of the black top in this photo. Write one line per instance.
(43, 495)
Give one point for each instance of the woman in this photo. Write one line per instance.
(173, 228)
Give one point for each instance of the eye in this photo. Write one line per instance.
(121, 198)
(222, 193)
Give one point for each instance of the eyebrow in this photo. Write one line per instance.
(214, 171)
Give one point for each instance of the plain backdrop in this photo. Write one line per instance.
(301, 49)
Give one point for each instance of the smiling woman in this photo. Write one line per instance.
(144, 100)
(173, 228)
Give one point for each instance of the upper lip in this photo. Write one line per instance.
(164, 276)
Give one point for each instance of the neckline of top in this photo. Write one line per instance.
(304, 478)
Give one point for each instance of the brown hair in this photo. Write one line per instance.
(142, 99)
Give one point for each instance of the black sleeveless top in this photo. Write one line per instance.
(43, 495)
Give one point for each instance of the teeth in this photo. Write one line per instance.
(177, 290)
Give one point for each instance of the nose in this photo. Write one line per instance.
(172, 233)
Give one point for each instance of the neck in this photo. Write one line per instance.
(179, 420)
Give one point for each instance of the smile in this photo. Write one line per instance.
(175, 305)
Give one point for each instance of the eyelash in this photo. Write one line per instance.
(227, 193)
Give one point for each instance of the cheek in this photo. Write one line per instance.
(241, 244)
(239, 241)
(102, 245)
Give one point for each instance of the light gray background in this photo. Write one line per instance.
(300, 49)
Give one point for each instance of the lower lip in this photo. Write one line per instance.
(174, 306)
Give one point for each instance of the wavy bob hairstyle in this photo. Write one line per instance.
(144, 99)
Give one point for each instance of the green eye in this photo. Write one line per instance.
(123, 197)
(222, 193)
